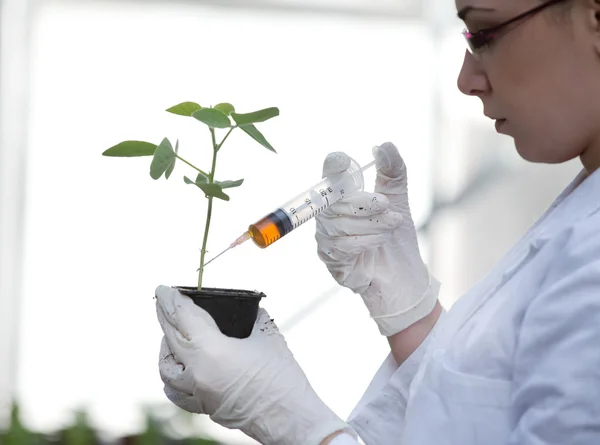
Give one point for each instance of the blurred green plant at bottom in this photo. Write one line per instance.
(81, 432)
(17, 433)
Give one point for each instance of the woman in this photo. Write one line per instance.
(517, 359)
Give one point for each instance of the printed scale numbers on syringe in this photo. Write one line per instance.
(303, 207)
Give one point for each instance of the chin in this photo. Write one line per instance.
(529, 152)
(541, 153)
(544, 153)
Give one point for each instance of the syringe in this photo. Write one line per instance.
(303, 207)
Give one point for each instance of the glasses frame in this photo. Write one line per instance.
(478, 41)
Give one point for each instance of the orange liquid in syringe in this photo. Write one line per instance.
(270, 228)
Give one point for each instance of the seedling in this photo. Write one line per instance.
(165, 155)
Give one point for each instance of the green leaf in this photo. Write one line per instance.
(184, 108)
(253, 132)
(229, 184)
(213, 118)
(256, 116)
(131, 149)
(214, 189)
(164, 156)
(225, 108)
(171, 166)
(200, 179)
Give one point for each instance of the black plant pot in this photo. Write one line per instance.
(233, 310)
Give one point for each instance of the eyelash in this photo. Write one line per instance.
(482, 39)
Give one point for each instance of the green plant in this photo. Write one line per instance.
(16, 433)
(164, 155)
(80, 432)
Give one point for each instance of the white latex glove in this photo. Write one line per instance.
(369, 244)
(252, 384)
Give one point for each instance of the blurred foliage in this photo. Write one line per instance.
(81, 432)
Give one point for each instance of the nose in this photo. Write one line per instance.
(472, 80)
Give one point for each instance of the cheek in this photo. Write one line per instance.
(542, 92)
(520, 61)
(551, 135)
(536, 59)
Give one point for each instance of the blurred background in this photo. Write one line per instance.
(85, 239)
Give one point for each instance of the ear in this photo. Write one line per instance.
(592, 22)
(593, 14)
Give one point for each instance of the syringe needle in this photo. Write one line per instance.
(245, 237)
(212, 259)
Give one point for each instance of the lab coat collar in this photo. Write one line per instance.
(577, 201)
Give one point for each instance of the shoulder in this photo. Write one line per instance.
(577, 246)
(570, 284)
(557, 358)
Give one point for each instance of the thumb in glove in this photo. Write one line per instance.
(392, 178)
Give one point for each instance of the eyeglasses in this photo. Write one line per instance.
(478, 41)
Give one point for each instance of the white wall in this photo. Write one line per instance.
(14, 40)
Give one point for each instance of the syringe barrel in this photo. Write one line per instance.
(322, 195)
(270, 228)
(307, 205)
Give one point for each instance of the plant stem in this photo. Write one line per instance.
(211, 177)
(191, 165)
(225, 138)
(215, 148)
(204, 241)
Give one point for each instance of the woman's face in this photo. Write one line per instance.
(538, 77)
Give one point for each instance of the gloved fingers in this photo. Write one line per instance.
(389, 162)
(359, 204)
(334, 226)
(391, 176)
(178, 343)
(264, 325)
(166, 311)
(189, 320)
(336, 162)
(172, 372)
(356, 273)
(186, 402)
(345, 250)
(182, 348)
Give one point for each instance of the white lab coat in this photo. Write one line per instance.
(516, 361)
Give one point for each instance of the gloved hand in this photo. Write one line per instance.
(254, 384)
(368, 242)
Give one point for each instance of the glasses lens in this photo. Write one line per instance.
(475, 43)
(469, 41)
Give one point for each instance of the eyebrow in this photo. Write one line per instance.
(462, 14)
